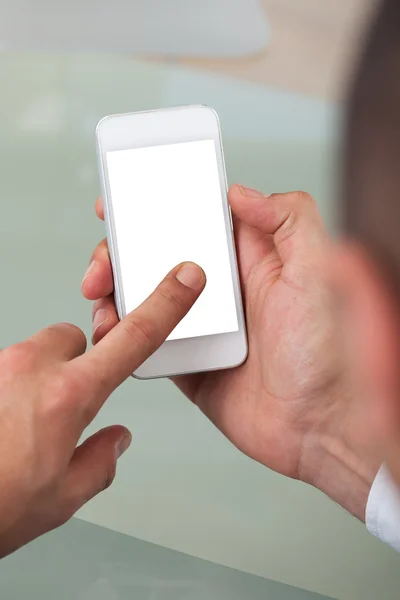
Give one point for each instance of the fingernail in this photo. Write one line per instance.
(123, 444)
(100, 317)
(191, 275)
(250, 193)
(89, 270)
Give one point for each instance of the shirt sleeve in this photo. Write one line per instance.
(383, 509)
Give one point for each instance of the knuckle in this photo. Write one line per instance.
(61, 386)
(304, 198)
(70, 327)
(306, 206)
(74, 332)
(20, 357)
(169, 293)
(141, 331)
(300, 205)
(62, 393)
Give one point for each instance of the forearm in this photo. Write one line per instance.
(340, 459)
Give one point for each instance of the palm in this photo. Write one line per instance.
(265, 406)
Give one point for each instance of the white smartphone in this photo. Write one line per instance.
(164, 190)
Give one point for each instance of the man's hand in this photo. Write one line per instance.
(49, 393)
(289, 406)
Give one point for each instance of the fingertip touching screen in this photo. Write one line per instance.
(167, 208)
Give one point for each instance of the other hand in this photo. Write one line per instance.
(50, 391)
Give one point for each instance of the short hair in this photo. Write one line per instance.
(372, 144)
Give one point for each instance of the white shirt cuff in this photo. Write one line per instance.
(383, 509)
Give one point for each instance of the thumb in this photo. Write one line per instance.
(292, 219)
(92, 468)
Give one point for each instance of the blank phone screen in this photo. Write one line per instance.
(167, 208)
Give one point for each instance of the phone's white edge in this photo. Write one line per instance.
(194, 372)
(152, 110)
(118, 290)
(107, 220)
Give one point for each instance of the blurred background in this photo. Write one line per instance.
(219, 525)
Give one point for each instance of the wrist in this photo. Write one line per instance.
(341, 459)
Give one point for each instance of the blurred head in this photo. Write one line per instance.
(369, 270)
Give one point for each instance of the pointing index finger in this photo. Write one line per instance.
(141, 333)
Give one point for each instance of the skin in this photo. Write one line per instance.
(369, 275)
(50, 391)
(374, 326)
(291, 406)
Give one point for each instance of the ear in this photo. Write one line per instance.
(372, 320)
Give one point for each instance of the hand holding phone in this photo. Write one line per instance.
(165, 199)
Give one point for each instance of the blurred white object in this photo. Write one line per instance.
(192, 28)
